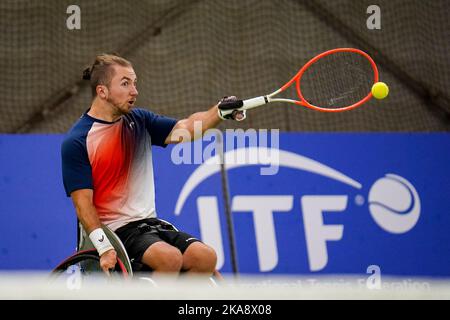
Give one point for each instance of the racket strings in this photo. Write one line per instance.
(337, 80)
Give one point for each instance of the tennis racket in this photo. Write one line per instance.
(334, 81)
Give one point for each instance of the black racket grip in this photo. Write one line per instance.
(230, 105)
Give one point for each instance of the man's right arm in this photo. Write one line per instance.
(87, 214)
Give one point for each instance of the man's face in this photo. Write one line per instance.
(122, 91)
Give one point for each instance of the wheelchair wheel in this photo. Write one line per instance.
(85, 263)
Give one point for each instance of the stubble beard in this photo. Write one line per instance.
(119, 109)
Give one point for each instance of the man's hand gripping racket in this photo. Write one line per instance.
(334, 81)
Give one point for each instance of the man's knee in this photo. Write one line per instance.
(161, 256)
(200, 257)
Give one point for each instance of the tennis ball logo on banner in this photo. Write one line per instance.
(394, 205)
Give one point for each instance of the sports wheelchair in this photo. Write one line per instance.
(86, 260)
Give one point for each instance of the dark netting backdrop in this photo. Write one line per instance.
(188, 54)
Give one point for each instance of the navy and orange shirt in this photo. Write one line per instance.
(114, 159)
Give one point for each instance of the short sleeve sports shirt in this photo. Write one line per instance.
(114, 159)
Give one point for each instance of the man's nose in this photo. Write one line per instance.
(134, 91)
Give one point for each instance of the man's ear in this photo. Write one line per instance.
(102, 91)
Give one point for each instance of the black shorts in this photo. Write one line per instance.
(137, 236)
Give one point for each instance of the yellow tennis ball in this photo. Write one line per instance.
(380, 90)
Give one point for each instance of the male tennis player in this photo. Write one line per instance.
(107, 170)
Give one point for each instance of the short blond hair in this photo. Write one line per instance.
(102, 71)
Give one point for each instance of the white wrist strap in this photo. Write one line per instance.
(100, 241)
(220, 114)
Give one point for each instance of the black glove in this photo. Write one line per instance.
(229, 109)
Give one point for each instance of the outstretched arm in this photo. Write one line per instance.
(195, 125)
(184, 130)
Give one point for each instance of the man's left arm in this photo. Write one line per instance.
(195, 125)
(184, 130)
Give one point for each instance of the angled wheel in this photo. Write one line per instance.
(85, 263)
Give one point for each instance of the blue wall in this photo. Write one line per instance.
(339, 203)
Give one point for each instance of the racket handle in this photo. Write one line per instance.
(230, 105)
(254, 102)
(243, 104)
